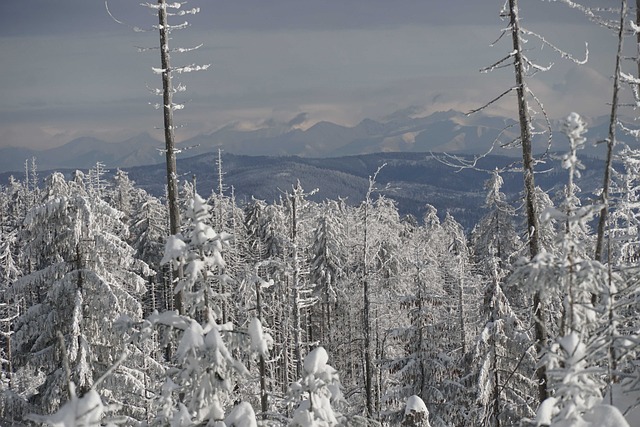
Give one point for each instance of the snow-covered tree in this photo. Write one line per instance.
(201, 383)
(317, 392)
(327, 264)
(586, 286)
(494, 239)
(84, 277)
(416, 369)
(501, 362)
(416, 413)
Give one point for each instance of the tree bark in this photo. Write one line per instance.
(529, 187)
(167, 108)
(297, 336)
(368, 371)
(611, 139)
(264, 399)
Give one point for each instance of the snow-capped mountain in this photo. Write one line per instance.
(448, 131)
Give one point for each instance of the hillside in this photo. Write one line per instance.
(413, 180)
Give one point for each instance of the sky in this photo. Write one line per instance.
(69, 70)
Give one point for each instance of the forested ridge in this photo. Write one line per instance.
(271, 290)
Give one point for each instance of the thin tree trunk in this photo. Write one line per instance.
(529, 188)
(638, 40)
(221, 270)
(297, 336)
(264, 399)
(167, 108)
(463, 334)
(368, 371)
(611, 139)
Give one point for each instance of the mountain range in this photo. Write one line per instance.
(404, 131)
(412, 180)
(264, 163)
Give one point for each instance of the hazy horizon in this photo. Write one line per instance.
(71, 71)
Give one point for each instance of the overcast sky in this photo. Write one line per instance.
(69, 70)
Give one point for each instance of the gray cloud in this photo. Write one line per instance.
(298, 119)
(69, 70)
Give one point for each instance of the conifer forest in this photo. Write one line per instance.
(118, 307)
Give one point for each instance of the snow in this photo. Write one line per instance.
(598, 416)
(415, 404)
(85, 411)
(626, 402)
(173, 249)
(545, 412)
(573, 346)
(316, 361)
(182, 417)
(192, 340)
(605, 416)
(241, 416)
(169, 318)
(319, 388)
(260, 342)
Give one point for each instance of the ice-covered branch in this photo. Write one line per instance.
(116, 20)
(591, 13)
(494, 100)
(175, 5)
(547, 120)
(561, 52)
(170, 28)
(498, 64)
(191, 68)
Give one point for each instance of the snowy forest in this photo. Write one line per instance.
(121, 308)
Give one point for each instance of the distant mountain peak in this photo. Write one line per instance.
(406, 130)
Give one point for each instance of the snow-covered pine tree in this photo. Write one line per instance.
(462, 295)
(494, 239)
(573, 358)
(415, 366)
(625, 219)
(327, 266)
(501, 362)
(201, 382)
(84, 277)
(297, 205)
(148, 230)
(317, 392)
(123, 195)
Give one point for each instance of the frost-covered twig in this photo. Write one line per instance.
(564, 54)
(591, 13)
(494, 100)
(116, 20)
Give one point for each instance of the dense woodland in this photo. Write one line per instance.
(195, 310)
(401, 306)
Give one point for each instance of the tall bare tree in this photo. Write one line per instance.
(529, 184)
(168, 107)
(611, 137)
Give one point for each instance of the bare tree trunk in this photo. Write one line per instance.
(611, 139)
(264, 399)
(529, 187)
(463, 334)
(368, 371)
(221, 223)
(297, 336)
(167, 107)
(638, 39)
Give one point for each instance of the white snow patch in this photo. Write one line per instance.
(260, 342)
(241, 416)
(316, 361)
(415, 404)
(173, 249)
